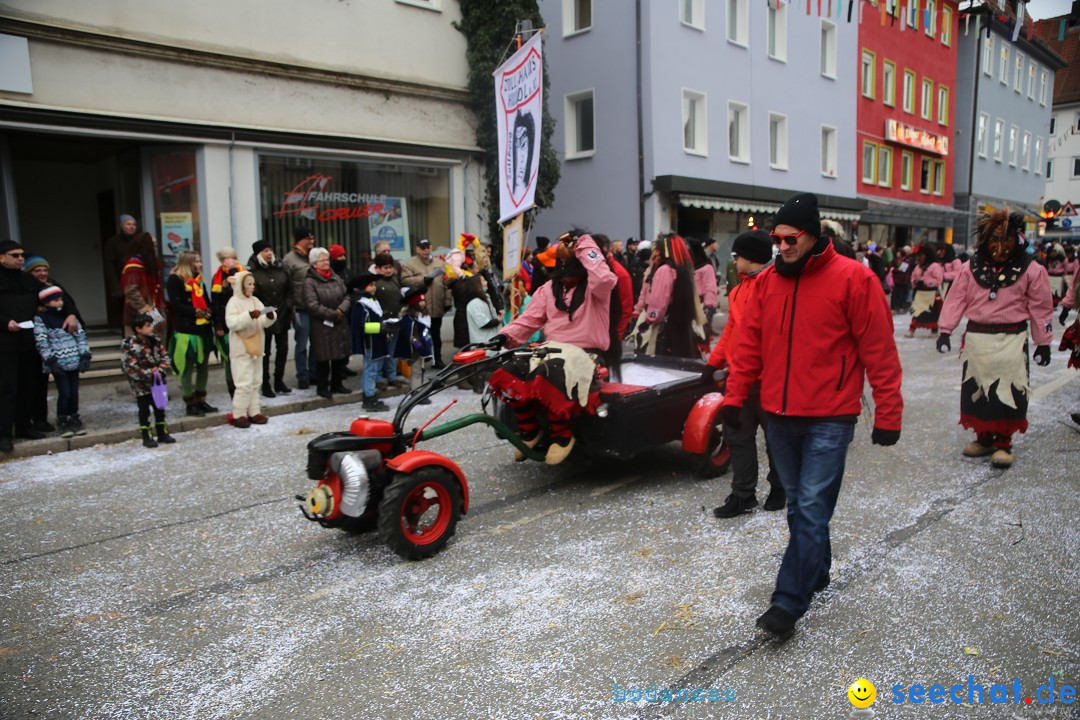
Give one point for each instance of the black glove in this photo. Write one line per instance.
(1042, 355)
(498, 341)
(884, 437)
(1064, 315)
(943, 345)
(84, 363)
(730, 413)
(428, 280)
(708, 375)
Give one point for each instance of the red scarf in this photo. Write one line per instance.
(198, 298)
(326, 274)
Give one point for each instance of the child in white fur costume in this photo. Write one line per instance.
(247, 323)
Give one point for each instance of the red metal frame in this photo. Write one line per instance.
(416, 459)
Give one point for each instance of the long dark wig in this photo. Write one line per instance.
(684, 307)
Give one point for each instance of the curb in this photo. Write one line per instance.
(53, 445)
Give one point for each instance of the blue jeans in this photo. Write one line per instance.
(373, 369)
(809, 456)
(304, 358)
(67, 393)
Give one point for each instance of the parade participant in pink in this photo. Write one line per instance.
(926, 279)
(1000, 290)
(670, 320)
(1070, 341)
(1057, 271)
(574, 311)
(950, 266)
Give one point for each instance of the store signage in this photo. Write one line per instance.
(906, 135)
(310, 199)
(519, 87)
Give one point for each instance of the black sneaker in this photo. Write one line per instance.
(29, 433)
(777, 623)
(374, 404)
(776, 500)
(43, 426)
(735, 506)
(77, 424)
(340, 389)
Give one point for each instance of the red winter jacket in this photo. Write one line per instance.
(812, 338)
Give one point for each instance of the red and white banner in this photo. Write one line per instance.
(519, 88)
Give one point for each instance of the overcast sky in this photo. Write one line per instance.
(1040, 9)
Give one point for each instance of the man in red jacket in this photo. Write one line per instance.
(828, 324)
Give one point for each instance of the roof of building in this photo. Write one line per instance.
(1067, 79)
(1003, 19)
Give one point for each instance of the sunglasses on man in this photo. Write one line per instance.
(786, 239)
(16, 254)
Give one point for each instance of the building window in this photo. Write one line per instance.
(580, 125)
(828, 49)
(924, 177)
(983, 137)
(946, 25)
(884, 173)
(577, 16)
(869, 69)
(736, 21)
(1025, 152)
(927, 98)
(988, 56)
(738, 117)
(1013, 133)
(1053, 123)
(1038, 156)
(909, 91)
(1049, 169)
(942, 105)
(777, 33)
(1003, 64)
(939, 177)
(907, 160)
(913, 14)
(828, 151)
(435, 5)
(869, 162)
(692, 12)
(1042, 87)
(778, 145)
(1076, 167)
(695, 123)
(931, 18)
(888, 83)
(1031, 80)
(999, 140)
(1018, 74)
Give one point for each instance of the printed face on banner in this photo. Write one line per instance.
(519, 84)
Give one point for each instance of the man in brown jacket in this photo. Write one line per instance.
(297, 265)
(424, 272)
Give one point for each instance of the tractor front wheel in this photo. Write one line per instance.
(717, 457)
(419, 512)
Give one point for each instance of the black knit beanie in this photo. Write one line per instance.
(800, 211)
(300, 232)
(259, 245)
(754, 245)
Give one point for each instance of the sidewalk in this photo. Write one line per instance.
(108, 409)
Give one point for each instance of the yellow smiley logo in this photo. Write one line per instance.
(862, 693)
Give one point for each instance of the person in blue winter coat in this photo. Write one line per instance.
(371, 336)
(63, 354)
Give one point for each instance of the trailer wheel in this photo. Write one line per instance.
(419, 512)
(717, 457)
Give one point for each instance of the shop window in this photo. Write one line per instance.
(354, 204)
(174, 176)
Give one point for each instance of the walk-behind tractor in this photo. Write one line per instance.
(373, 477)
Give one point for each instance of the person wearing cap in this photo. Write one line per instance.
(64, 355)
(221, 291)
(752, 252)
(369, 338)
(327, 302)
(414, 338)
(115, 251)
(273, 288)
(421, 272)
(1000, 290)
(543, 265)
(141, 283)
(816, 324)
(19, 361)
(297, 265)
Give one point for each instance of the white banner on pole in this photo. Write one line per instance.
(519, 86)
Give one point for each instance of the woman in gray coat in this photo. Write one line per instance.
(327, 302)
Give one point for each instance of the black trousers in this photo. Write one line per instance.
(146, 404)
(280, 356)
(19, 371)
(743, 444)
(436, 338)
(330, 373)
(39, 408)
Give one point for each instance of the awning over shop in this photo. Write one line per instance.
(899, 212)
(725, 204)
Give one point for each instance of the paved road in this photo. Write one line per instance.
(181, 582)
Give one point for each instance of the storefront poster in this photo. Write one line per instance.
(519, 84)
(513, 234)
(392, 225)
(176, 234)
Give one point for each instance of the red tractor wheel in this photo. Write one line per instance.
(717, 457)
(419, 512)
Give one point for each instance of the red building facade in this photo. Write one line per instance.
(906, 121)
